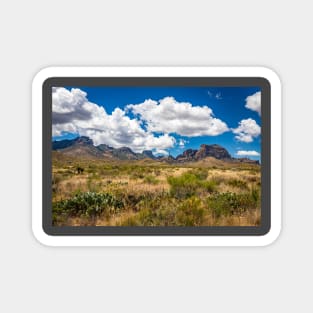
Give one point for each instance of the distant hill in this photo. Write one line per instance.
(84, 147)
(215, 151)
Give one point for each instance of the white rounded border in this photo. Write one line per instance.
(276, 141)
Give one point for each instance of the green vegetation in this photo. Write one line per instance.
(152, 193)
(190, 184)
(229, 203)
(189, 212)
(238, 183)
(150, 179)
(88, 204)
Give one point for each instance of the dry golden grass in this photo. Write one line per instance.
(249, 219)
(128, 179)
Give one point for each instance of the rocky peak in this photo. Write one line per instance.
(62, 144)
(84, 140)
(104, 147)
(168, 159)
(125, 150)
(189, 153)
(83, 146)
(247, 160)
(124, 153)
(215, 151)
(148, 154)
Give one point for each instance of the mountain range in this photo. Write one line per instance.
(85, 148)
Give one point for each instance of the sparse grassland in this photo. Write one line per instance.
(152, 193)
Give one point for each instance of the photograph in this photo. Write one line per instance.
(186, 156)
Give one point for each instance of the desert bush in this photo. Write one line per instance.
(88, 204)
(237, 183)
(94, 176)
(148, 217)
(137, 175)
(130, 200)
(165, 211)
(137, 172)
(91, 168)
(150, 179)
(200, 173)
(209, 186)
(153, 210)
(157, 172)
(56, 179)
(190, 212)
(59, 216)
(229, 203)
(255, 194)
(79, 170)
(189, 184)
(106, 170)
(252, 179)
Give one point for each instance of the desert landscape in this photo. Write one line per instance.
(104, 186)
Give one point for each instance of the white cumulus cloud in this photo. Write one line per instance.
(170, 116)
(247, 130)
(247, 153)
(253, 102)
(182, 143)
(72, 112)
(160, 152)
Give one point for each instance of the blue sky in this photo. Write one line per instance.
(107, 113)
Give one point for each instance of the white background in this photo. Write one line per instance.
(36, 34)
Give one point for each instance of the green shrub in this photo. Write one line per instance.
(137, 173)
(229, 203)
(56, 179)
(154, 210)
(255, 194)
(168, 212)
(190, 213)
(88, 204)
(200, 173)
(237, 183)
(157, 172)
(209, 186)
(150, 179)
(188, 185)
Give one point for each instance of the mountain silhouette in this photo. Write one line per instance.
(84, 147)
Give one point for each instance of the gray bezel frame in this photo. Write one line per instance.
(158, 230)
